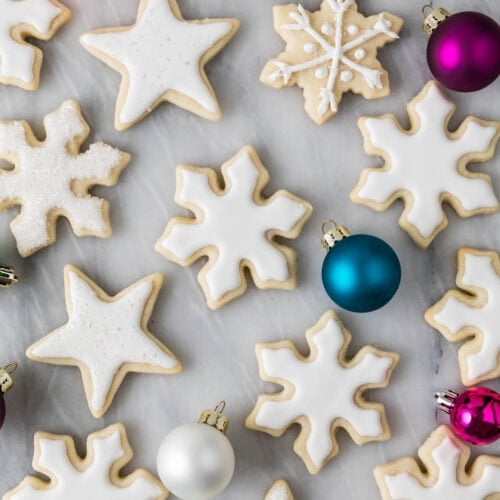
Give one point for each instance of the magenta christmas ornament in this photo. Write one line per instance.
(6, 383)
(474, 413)
(463, 52)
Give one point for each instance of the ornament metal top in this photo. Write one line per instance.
(7, 276)
(463, 52)
(6, 383)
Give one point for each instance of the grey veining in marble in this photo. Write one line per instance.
(320, 164)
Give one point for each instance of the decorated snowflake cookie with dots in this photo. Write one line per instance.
(20, 61)
(447, 474)
(473, 315)
(106, 337)
(52, 178)
(234, 226)
(426, 165)
(279, 491)
(97, 476)
(162, 58)
(322, 392)
(330, 52)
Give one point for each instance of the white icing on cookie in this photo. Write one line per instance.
(346, 76)
(236, 224)
(359, 54)
(423, 163)
(160, 53)
(321, 72)
(102, 337)
(307, 381)
(99, 480)
(279, 491)
(310, 48)
(353, 29)
(327, 29)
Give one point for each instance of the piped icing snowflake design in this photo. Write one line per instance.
(96, 476)
(106, 337)
(330, 52)
(473, 315)
(20, 62)
(279, 491)
(52, 178)
(427, 165)
(162, 58)
(235, 227)
(445, 459)
(322, 392)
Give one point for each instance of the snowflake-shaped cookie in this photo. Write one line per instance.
(106, 337)
(446, 475)
(279, 491)
(322, 392)
(20, 61)
(97, 476)
(427, 165)
(235, 227)
(329, 52)
(52, 178)
(475, 313)
(162, 58)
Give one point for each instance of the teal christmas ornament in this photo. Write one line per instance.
(360, 273)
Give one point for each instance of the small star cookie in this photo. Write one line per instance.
(106, 337)
(162, 58)
(279, 491)
(322, 391)
(96, 476)
(427, 165)
(20, 61)
(234, 226)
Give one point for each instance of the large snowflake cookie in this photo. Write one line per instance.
(447, 474)
(97, 476)
(20, 61)
(162, 58)
(52, 178)
(235, 227)
(329, 52)
(427, 165)
(106, 337)
(279, 491)
(322, 392)
(473, 315)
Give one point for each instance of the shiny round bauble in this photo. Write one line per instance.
(195, 461)
(361, 273)
(464, 51)
(2, 410)
(475, 415)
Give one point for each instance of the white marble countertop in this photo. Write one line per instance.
(320, 164)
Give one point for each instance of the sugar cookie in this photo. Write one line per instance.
(279, 491)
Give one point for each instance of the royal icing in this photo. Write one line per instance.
(447, 477)
(52, 178)
(308, 392)
(160, 53)
(234, 227)
(95, 477)
(427, 165)
(35, 18)
(105, 337)
(332, 33)
(279, 491)
(474, 312)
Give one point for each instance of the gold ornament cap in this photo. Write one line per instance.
(333, 235)
(215, 418)
(434, 18)
(6, 381)
(7, 276)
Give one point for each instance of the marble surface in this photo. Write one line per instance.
(320, 164)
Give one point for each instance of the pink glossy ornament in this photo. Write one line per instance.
(464, 49)
(474, 414)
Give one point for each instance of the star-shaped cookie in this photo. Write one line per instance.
(106, 337)
(162, 58)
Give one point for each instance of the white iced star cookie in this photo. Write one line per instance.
(97, 476)
(279, 491)
(322, 391)
(234, 226)
(330, 52)
(162, 58)
(20, 61)
(427, 165)
(52, 178)
(473, 315)
(446, 473)
(106, 337)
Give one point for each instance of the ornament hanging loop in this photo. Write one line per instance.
(445, 400)
(6, 381)
(7, 276)
(434, 18)
(333, 235)
(215, 418)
